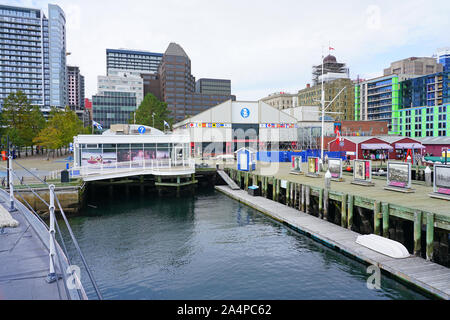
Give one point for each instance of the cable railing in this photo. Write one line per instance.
(52, 228)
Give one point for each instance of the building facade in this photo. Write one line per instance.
(142, 61)
(33, 55)
(414, 66)
(443, 57)
(113, 107)
(177, 86)
(281, 100)
(330, 70)
(122, 82)
(213, 86)
(343, 106)
(75, 88)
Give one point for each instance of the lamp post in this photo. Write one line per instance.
(153, 116)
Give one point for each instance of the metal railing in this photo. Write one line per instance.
(53, 228)
(153, 165)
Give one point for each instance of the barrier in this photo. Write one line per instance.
(286, 156)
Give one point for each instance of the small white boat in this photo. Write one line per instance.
(384, 246)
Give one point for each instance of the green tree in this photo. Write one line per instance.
(149, 106)
(49, 138)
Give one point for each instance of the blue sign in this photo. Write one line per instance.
(141, 130)
(245, 113)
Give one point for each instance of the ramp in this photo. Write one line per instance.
(228, 180)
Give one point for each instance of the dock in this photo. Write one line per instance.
(416, 271)
(24, 256)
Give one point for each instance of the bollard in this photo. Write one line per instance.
(51, 277)
(428, 176)
(328, 180)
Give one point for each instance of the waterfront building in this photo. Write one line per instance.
(75, 81)
(231, 125)
(330, 69)
(213, 86)
(113, 107)
(281, 100)
(122, 81)
(178, 86)
(33, 55)
(125, 60)
(414, 66)
(343, 106)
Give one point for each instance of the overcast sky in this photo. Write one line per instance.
(262, 46)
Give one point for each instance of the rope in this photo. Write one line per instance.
(44, 182)
(31, 189)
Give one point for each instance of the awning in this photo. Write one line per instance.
(409, 146)
(376, 146)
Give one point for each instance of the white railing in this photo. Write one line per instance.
(149, 166)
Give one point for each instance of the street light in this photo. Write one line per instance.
(153, 116)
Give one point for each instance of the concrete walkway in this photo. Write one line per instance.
(429, 276)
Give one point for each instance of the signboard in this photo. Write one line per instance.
(245, 112)
(313, 165)
(442, 179)
(335, 167)
(296, 164)
(141, 129)
(362, 170)
(399, 174)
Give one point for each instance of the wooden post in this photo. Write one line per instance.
(246, 181)
(376, 218)
(344, 211)
(274, 187)
(303, 196)
(351, 201)
(288, 191)
(325, 204)
(321, 203)
(385, 209)
(278, 190)
(307, 199)
(417, 232)
(430, 235)
(295, 195)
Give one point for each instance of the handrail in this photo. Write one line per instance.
(52, 277)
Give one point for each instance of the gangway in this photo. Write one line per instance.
(228, 180)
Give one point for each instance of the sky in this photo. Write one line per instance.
(262, 46)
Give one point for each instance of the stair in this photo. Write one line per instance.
(228, 180)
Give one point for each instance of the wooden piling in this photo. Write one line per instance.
(430, 235)
(288, 191)
(325, 203)
(321, 203)
(344, 211)
(246, 181)
(307, 198)
(385, 209)
(303, 196)
(295, 195)
(376, 218)
(351, 201)
(274, 189)
(417, 233)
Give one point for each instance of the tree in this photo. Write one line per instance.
(149, 106)
(49, 138)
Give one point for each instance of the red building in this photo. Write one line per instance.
(435, 145)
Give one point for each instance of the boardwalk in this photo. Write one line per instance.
(24, 257)
(417, 271)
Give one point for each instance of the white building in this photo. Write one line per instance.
(225, 128)
(122, 81)
(304, 113)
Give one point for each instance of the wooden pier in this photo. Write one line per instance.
(426, 275)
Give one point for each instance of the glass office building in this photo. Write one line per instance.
(32, 55)
(213, 86)
(143, 61)
(113, 107)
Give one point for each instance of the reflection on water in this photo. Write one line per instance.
(211, 247)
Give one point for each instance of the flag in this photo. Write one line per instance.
(166, 124)
(97, 125)
(330, 48)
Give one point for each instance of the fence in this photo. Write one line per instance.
(286, 156)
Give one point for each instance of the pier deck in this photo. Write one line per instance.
(429, 276)
(24, 256)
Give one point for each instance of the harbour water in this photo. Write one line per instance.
(208, 246)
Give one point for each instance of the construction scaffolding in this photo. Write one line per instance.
(330, 65)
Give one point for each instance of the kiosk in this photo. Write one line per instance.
(246, 159)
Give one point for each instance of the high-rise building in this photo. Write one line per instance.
(33, 55)
(113, 107)
(330, 70)
(178, 86)
(75, 88)
(213, 86)
(414, 66)
(126, 60)
(343, 106)
(122, 82)
(443, 57)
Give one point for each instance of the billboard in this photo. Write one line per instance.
(313, 165)
(296, 164)
(442, 179)
(399, 174)
(335, 167)
(362, 170)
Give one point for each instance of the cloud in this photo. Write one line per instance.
(262, 46)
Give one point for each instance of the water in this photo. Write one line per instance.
(211, 247)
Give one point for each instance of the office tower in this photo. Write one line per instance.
(414, 66)
(330, 69)
(33, 55)
(127, 60)
(213, 86)
(178, 86)
(113, 107)
(122, 81)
